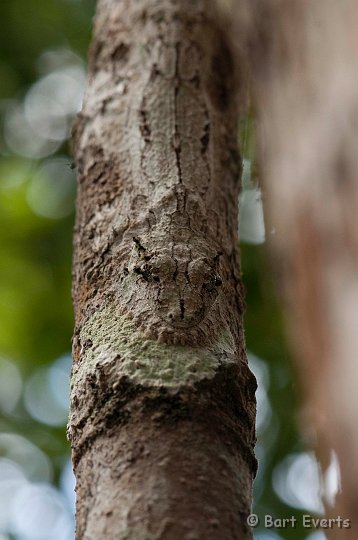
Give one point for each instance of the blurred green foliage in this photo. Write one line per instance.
(36, 222)
(41, 38)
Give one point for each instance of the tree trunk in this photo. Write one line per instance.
(304, 63)
(162, 400)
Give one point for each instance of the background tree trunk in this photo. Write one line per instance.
(162, 400)
(304, 66)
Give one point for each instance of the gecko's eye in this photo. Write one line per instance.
(147, 272)
(199, 271)
(161, 267)
(144, 271)
(213, 282)
(202, 273)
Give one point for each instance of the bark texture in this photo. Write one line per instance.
(162, 400)
(304, 64)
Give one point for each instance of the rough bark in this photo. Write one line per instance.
(304, 66)
(162, 400)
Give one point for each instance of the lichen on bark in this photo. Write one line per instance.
(109, 337)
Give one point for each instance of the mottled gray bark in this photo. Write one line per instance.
(162, 400)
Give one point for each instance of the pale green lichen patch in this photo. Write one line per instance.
(113, 339)
(136, 533)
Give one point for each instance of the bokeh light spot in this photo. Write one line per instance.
(39, 398)
(21, 138)
(39, 513)
(297, 481)
(52, 190)
(29, 458)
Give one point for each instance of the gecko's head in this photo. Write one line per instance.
(186, 301)
(180, 287)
